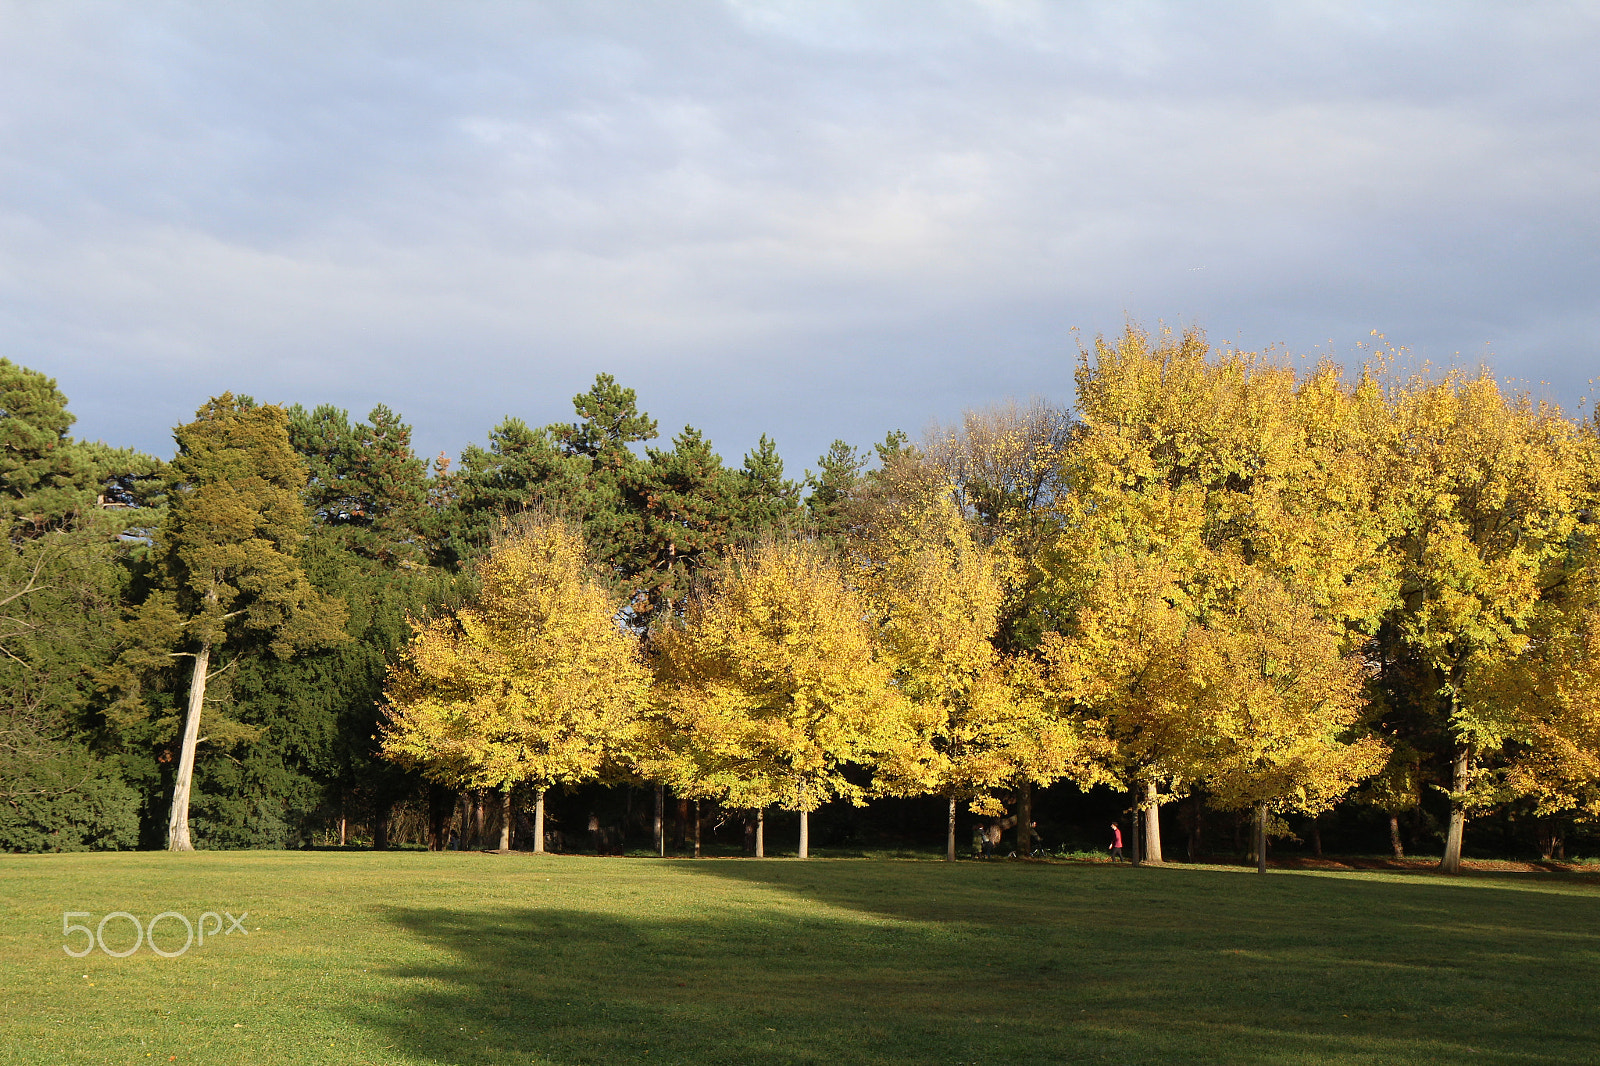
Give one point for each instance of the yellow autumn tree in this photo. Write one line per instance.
(1121, 671)
(533, 683)
(1555, 693)
(1549, 696)
(1487, 490)
(1279, 705)
(1196, 476)
(1005, 462)
(770, 686)
(936, 595)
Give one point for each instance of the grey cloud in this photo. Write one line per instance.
(809, 219)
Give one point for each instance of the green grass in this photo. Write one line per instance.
(480, 959)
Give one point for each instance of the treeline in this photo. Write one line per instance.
(1220, 580)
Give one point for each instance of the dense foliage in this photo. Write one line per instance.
(1220, 586)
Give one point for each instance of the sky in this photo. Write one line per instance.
(803, 218)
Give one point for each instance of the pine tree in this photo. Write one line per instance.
(364, 481)
(771, 502)
(686, 508)
(226, 571)
(836, 481)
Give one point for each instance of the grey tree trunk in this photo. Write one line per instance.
(805, 825)
(1461, 770)
(1152, 823)
(1261, 838)
(178, 821)
(950, 834)
(505, 820)
(761, 833)
(538, 823)
(1394, 836)
(661, 806)
(697, 829)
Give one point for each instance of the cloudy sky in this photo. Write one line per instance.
(807, 218)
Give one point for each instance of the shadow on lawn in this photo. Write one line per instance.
(912, 963)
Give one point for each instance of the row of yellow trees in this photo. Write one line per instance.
(1229, 575)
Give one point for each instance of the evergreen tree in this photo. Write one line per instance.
(837, 478)
(62, 571)
(574, 470)
(363, 480)
(685, 506)
(226, 572)
(48, 481)
(771, 502)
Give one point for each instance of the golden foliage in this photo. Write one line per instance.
(936, 593)
(535, 682)
(1221, 559)
(770, 685)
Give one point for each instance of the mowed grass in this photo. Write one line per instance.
(469, 959)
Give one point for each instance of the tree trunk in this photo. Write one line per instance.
(697, 829)
(761, 833)
(178, 821)
(1460, 770)
(505, 820)
(950, 834)
(805, 825)
(661, 807)
(1024, 821)
(344, 827)
(1261, 838)
(1152, 823)
(1316, 837)
(480, 803)
(1394, 836)
(538, 823)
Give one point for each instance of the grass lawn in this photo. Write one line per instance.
(413, 957)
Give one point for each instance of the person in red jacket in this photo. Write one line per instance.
(1116, 842)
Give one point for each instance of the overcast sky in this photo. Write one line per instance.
(804, 218)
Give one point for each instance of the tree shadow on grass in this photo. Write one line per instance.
(923, 963)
